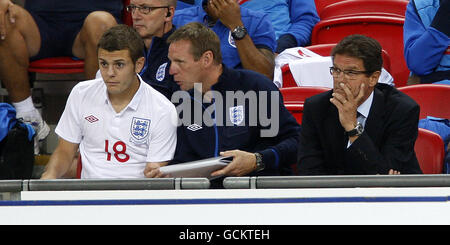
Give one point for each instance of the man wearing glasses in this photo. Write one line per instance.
(152, 19)
(361, 126)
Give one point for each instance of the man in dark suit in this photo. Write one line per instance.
(359, 127)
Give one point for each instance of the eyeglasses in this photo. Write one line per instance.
(143, 9)
(350, 74)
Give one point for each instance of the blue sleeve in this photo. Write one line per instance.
(184, 4)
(304, 17)
(187, 15)
(260, 30)
(423, 47)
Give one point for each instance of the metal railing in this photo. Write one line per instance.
(103, 184)
(342, 181)
(258, 182)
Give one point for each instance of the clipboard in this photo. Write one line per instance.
(196, 169)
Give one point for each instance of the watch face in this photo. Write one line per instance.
(359, 129)
(239, 32)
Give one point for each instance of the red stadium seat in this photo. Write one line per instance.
(433, 99)
(322, 49)
(321, 4)
(395, 8)
(325, 50)
(295, 97)
(430, 151)
(68, 65)
(57, 65)
(387, 30)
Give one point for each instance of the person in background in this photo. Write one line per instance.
(152, 19)
(44, 29)
(122, 127)
(293, 20)
(247, 37)
(426, 35)
(360, 126)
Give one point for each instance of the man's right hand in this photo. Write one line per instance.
(7, 13)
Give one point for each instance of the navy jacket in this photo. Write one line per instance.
(157, 64)
(197, 140)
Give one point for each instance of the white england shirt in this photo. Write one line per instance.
(118, 145)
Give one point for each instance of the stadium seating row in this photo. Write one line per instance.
(380, 19)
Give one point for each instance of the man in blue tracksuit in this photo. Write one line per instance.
(247, 37)
(228, 112)
(426, 40)
(293, 20)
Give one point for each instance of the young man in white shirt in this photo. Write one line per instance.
(122, 127)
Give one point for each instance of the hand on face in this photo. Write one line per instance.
(227, 11)
(347, 104)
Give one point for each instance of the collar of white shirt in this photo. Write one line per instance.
(364, 108)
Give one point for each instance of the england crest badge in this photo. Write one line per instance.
(161, 73)
(140, 129)
(237, 114)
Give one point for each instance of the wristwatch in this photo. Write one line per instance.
(239, 33)
(259, 162)
(357, 131)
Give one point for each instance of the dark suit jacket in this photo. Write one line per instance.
(387, 142)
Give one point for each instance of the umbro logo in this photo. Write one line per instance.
(91, 119)
(194, 127)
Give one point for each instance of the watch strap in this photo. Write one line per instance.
(259, 162)
(357, 131)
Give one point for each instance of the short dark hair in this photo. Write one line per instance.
(202, 39)
(365, 48)
(122, 37)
